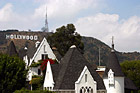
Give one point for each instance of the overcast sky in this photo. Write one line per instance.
(100, 19)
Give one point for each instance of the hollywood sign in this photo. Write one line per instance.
(27, 37)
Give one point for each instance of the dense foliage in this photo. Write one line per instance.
(131, 69)
(64, 37)
(37, 82)
(12, 74)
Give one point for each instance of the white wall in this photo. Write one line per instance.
(41, 51)
(25, 58)
(90, 82)
(48, 81)
(118, 87)
(34, 70)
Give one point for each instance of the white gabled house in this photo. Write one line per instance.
(74, 74)
(40, 51)
(85, 82)
(43, 51)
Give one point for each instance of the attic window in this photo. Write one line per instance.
(44, 56)
(85, 77)
(44, 48)
(39, 72)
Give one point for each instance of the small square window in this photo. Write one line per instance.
(44, 56)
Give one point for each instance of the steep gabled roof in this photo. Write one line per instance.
(71, 66)
(22, 53)
(57, 54)
(34, 51)
(113, 64)
(11, 49)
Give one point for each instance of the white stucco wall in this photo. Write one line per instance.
(29, 75)
(35, 70)
(25, 58)
(118, 86)
(81, 83)
(38, 54)
(41, 51)
(48, 81)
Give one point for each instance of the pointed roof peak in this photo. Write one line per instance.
(114, 65)
(44, 38)
(72, 64)
(12, 49)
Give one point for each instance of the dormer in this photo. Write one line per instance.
(111, 77)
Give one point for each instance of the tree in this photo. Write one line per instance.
(131, 69)
(64, 37)
(12, 74)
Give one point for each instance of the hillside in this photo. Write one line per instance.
(91, 50)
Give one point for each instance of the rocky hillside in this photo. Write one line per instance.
(91, 51)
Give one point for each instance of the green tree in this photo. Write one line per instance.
(131, 69)
(64, 37)
(12, 74)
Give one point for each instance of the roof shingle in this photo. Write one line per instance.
(71, 67)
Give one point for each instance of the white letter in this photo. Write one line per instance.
(35, 37)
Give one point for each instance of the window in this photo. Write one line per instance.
(86, 90)
(44, 48)
(44, 56)
(85, 77)
(39, 72)
(82, 90)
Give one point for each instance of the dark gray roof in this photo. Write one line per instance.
(128, 84)
(113, 64)
(31, 51)
(57, 54)
(70, 68)
(22, 53)
(11, 49)
(55, 71)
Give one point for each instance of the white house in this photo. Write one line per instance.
(40, 51)
(74, 75)
(113, 77)
(85, 83)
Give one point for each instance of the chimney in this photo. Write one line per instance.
(37, 43)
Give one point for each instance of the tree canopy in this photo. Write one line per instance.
(12, 74)
(64, 37)
(131, 69)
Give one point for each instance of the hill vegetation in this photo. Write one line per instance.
(91, 46)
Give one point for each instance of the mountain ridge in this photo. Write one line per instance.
(91, 49)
